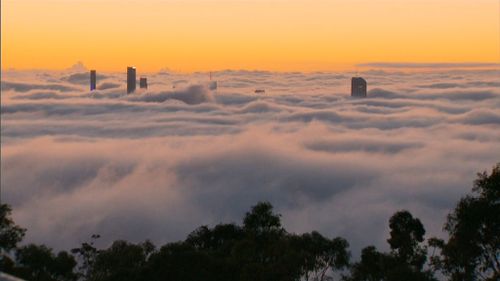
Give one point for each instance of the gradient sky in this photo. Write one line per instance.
(278, 35)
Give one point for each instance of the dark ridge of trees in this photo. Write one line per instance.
(261, 249)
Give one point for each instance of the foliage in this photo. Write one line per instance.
(86, 254)
(121, 261)
(472, 251)
(40, 263)
(407, 233)
(405, 261)
(261, 249)
(10, 233)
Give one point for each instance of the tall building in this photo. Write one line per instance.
(213, 84)
(131, 79)
(143, 83)
(358, 87)
(93, 80)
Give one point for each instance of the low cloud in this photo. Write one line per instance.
(159, 162)
(362, 144)
(107, 85)
(82, 78)
(428, 65)
(194, 94)
(25, 87)
(38, 95)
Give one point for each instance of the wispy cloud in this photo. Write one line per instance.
(430, 65)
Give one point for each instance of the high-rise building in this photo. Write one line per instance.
(93, 80)
(358, 87)
(143, 83)
(213, 84)
(131, 79)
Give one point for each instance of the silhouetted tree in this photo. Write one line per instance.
(218, 240)
(39, 263)
(372, 266)
(405, 261)
(86, 255)
(262, 253)
(472, 251)
(261, 219)
(178, 262)
(219, 244)
(121, 261)
(10, 235)
(407, 234)
(320, 255)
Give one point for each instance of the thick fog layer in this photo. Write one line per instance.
(160, 162)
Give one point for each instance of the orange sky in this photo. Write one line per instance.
(278, 35)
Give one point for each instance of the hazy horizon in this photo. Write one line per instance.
(405, 67)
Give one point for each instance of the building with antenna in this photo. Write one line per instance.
(358, 87)
(212, 85)
(131, 79)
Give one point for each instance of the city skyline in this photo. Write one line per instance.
(358, 84)
(353, 121)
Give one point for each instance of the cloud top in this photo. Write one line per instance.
(159, 162)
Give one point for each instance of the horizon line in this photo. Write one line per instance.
(353, 67)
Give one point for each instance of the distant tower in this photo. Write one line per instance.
(93, 80)
(358, 87)
(143, 83)
(213, 84)
(131, 79)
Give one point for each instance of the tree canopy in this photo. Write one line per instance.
(262, 249)
(472, 251)
(405, 261)
(10, 233)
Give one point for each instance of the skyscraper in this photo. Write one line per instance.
(358, 87)
(131, 80)
(93, 80)
(143, 83)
